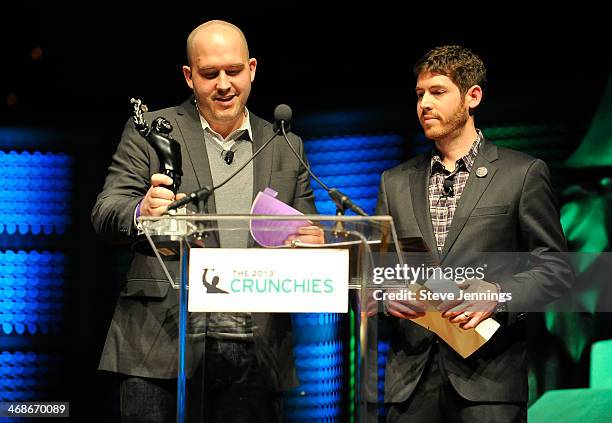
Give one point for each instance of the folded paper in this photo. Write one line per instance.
(273, 233)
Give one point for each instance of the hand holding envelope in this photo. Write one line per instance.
(465, 341)
(405, 308)
(426, 313)
(469, 312)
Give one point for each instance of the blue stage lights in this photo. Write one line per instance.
(318, 351)
(352, 142)
(363, 158)
(31, 296)
(29, 207)
(22, 374)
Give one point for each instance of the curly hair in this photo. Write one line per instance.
(461, 65)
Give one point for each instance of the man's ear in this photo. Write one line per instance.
(252, 68)
(187, 75)
(474, 96)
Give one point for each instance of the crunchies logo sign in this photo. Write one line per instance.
(263, 282)
(258, 280)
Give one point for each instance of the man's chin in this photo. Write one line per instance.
(227, 115)
(432, 134)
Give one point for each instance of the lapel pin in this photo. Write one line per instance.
(481, 172)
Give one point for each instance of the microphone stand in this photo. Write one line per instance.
(342, 201)
(200, 197)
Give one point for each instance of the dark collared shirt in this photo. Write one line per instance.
(442, 204)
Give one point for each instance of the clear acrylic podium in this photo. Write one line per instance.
(335, 352)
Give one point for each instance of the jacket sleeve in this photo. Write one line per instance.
(549, 273)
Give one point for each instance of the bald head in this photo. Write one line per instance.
(212, 31)
(220, 74)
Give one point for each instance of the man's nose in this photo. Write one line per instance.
(223, 84)
(425, 102)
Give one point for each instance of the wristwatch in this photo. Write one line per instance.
(502, 306)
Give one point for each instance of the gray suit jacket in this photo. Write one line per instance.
(512, 209)
(142, 339)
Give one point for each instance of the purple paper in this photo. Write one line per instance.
(273, 233)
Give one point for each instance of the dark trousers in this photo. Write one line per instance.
(235, 390)
(435, 401)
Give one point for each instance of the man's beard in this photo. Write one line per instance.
(446, 127)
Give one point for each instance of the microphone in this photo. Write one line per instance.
(448, 186)
(201, 196)
(282, 120)
(282, 115)
(228, 156)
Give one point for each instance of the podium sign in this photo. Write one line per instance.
(266, 280)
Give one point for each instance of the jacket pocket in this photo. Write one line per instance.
(491, 210)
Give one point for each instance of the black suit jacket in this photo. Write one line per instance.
(511, 209)
(142, 339)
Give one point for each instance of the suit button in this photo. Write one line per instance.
(123, 229)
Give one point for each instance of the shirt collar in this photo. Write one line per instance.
(236, 134)
(467, 160)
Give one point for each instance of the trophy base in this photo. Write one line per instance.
(167, 235)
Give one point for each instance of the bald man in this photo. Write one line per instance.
(248, 358)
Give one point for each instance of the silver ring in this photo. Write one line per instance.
(293, 243)
(466, 315)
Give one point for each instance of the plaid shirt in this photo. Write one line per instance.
(442, 206)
